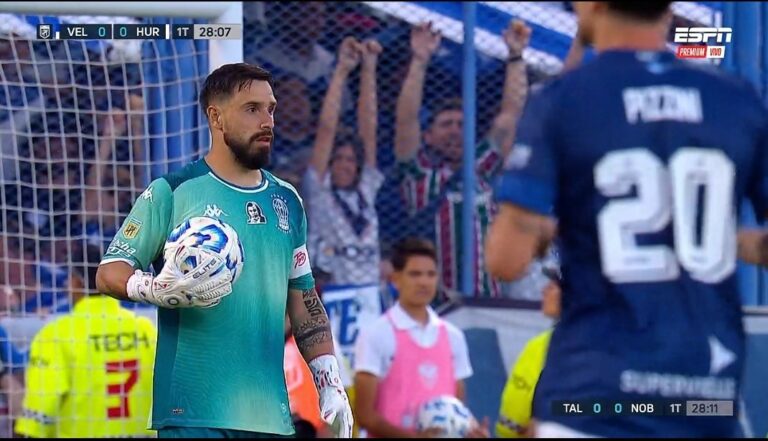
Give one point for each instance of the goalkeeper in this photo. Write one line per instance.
(219, 366)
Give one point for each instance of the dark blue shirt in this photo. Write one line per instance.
(643, 160)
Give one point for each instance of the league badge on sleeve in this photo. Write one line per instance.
(131, 228)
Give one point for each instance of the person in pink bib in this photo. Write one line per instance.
(408, 355)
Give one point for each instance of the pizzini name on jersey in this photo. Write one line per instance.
(662, 103)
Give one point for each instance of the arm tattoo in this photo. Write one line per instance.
(312, 303)
(313, 332)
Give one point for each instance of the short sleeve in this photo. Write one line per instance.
(517, 396)
(462, 367)
(142, 237)
(301, 270)
(529, 177)
(373, 349)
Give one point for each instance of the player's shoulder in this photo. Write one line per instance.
(720, 80)
(190, 171)
(283, 188)
(538, 344)
(455, 333)
(63, 325)
(377, 329)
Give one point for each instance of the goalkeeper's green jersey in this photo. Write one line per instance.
(222, 367)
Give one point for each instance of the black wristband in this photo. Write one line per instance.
(514, 58)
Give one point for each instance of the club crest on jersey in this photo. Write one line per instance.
(281, 209)
(255, 214)
(131, 228)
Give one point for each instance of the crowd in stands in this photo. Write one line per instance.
(369, 129)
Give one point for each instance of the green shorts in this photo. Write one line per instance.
(204, 432)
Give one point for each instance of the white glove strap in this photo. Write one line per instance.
(326, 372)
(139, 287)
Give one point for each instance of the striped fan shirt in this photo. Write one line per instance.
(422, 179)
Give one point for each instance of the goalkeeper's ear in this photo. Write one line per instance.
(214, 117)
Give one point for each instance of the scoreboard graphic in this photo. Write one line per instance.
(109, 31)
(651, 407)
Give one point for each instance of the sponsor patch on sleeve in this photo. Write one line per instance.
(300, 264)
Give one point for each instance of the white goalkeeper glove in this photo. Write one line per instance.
(334, 403)
(172, 289)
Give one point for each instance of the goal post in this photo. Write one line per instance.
(84, 126)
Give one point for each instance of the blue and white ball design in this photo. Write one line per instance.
(446, 413)
(211, 234)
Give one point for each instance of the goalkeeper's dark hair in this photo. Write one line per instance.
(85, 264)
(409, 247)
(223, 82)
(642, 11)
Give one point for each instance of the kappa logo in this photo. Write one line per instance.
(213, 210)
(131, 228)
(147, 194)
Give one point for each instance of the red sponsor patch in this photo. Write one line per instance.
(299, 259)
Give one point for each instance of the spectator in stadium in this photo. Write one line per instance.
(17, 271)
(342, 180)
(20, 99)
(294, 30)
(48, 191)
(74, 357)
(429, 162)
(292, 148)
(110, 187)
(517, 398)
(409, 355)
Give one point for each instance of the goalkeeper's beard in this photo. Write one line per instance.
(252, 158)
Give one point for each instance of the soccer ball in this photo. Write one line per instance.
(446, 413)
(197, 233)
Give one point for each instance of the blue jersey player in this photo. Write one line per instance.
(642, 160)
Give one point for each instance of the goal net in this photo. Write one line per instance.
(85, 125)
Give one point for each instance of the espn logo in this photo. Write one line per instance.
(702, 36)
